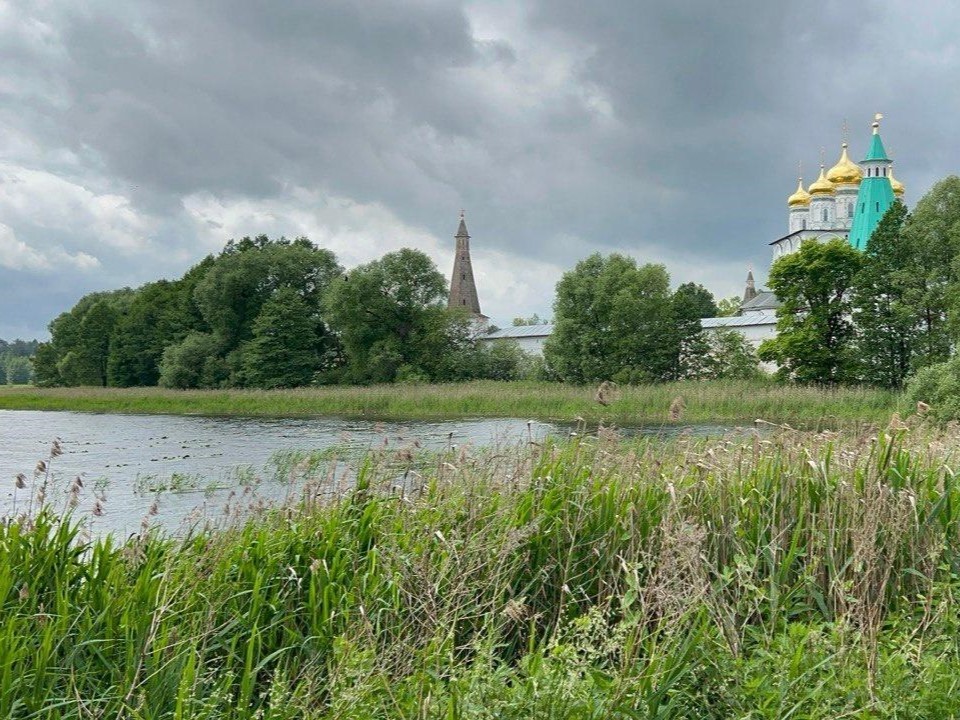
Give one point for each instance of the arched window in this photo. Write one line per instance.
(824, 214)
(803, 224)
(849, 209)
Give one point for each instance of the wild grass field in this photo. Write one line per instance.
(711, 401)
(792, 575)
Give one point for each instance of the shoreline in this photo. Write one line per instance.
(726, 402)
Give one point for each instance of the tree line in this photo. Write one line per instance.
(15, 365)
(269, 314)
(877, 317)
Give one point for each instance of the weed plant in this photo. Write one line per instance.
(790, 575)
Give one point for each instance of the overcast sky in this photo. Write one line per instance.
(137, 137)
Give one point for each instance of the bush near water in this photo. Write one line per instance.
(788, 575)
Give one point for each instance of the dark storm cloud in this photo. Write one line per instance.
(667, 130)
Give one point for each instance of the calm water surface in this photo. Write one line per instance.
(199, 461)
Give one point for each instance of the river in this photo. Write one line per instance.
(186, 467)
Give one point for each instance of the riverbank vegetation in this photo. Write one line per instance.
(762, 576)
(719, 401)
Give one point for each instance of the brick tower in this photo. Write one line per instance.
(463, 288)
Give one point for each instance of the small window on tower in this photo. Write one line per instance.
(850, 209)
(803, 224)
(878, 207)
(824, 214)
(463, 276)
(463, 302)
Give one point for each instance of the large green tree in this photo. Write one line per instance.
(247, 274)
(697, 298)
(286, 345)
(814, 328)
(888, 326)
(617, 321)
(391, 319)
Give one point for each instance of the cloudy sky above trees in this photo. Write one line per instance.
(137, 137)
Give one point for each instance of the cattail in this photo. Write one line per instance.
(606, 393)
(56, 450)
(676, 409)
(21, 481)
(41, 467)
(97, 509)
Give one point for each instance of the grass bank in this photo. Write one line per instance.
(718, 401)
(796, 575)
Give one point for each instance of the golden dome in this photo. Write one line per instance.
(822, 186)
(895, 184)
(845, 172)
(801, 198)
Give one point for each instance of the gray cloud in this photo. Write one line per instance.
(145, 134)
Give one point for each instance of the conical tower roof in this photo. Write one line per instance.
(463, 287)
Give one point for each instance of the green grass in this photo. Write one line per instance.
(797, 575)
(718, 401)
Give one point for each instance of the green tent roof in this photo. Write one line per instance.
(877, 151)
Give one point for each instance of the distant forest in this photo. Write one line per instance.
(15, 365)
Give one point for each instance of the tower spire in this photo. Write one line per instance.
(875, 195)
(463, 288)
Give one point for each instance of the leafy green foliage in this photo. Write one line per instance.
(531, 320)
(615, 320)
(698, 299)
(160, 314)
(391, 319)
(287, 343)
(797, 575)
(887, 325)
(194, 362)
(247, 274)
(815, 332)
(720, 354)
(728, 307)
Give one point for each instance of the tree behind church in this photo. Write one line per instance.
(815, 333)
(888, 326)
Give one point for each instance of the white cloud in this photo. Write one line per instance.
(18, 255)
(48, 201)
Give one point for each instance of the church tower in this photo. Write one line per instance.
(463, 288)
(876, 192)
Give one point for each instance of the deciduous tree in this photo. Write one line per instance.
(815, 331)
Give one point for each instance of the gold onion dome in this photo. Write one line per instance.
(821, 186)
(845, 172)
(800, 198)
(895, 184)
